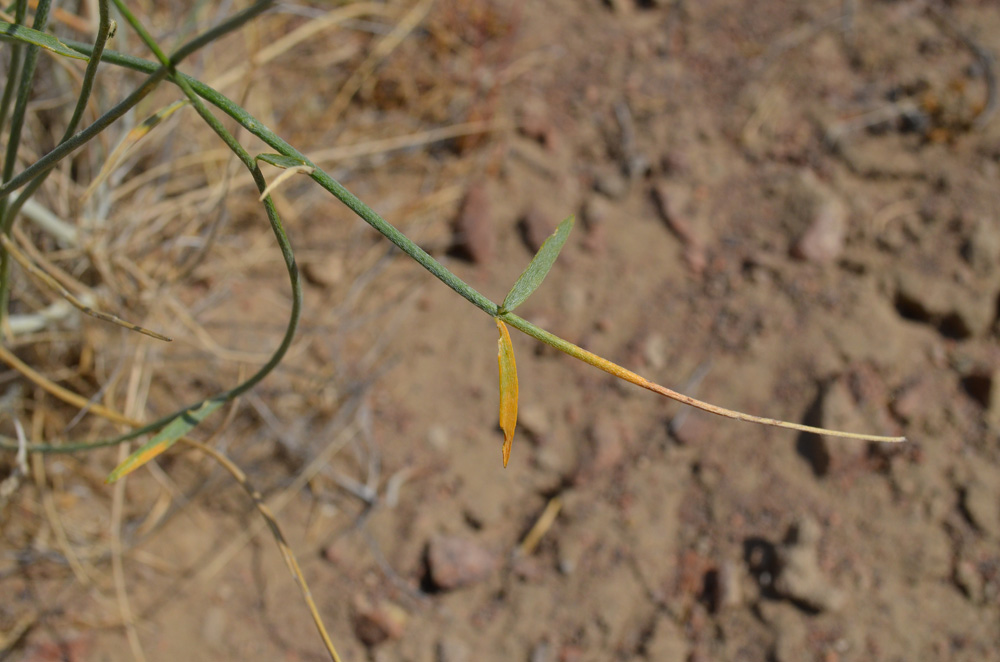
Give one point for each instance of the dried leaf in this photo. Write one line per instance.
(508, 388)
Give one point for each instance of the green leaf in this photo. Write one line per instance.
(11, 32)
(281, 161)
(539, 267)
(165, 438)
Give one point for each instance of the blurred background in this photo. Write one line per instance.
(789, 209)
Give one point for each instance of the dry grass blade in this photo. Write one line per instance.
(383, 145)
(287, 554)
(381, 50)
(129, 141)
(283, 177)
(541, 526)
(300, 34)
(43, 277)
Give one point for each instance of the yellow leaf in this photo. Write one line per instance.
(508, 388)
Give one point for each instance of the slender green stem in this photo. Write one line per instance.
(27, 77)
(15, 65)
(104, 26)
(290, 264)
(156, 74)
(258, 129)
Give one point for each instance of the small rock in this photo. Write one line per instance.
(728, 586)
(572, 546)
(573, 299)
(450, 649)
(438, 438)
(535, 227)
(982, 249)
(668, 643)
(983, 507)
(914, 399)
(456, 562)
(536, 422)
(800, 577)
(690, 428)
(541, 652)
(611, 182)
(606, 448)
(596, 212)
(535, 122)
(375, 622)
(214, 627)
(823, 241)
(325, 272)
(654, 351)
(838, 410)
(671, 201)
(819, 217)
(790, 633)
(968, 579)
(474, 232)
(956, 311)
(67, 648)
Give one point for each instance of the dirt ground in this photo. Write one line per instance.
(789, 209)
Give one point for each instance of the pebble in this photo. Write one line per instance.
(671, 203)
(790, 633)
(535, 421)
(611, 182)
(606, 448)
(983, 507)
(475, 238)
(968, 579)
(535, 122)
(982, 249)
(378, 621)
(956, 311)
(914, 399)
(668, 642)
(838, 410)
(438, 437)
(325, 273)
(455, 562)
(536, 227)
(596, 212)
(800, 577)
(823, 240)
(450, 649)
(822, 215)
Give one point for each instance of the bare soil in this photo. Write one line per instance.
(782, 208)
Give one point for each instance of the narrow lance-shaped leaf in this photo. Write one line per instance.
(280, 160)
(508, 389)
(11, 32)
(533, 276)
(165, 438)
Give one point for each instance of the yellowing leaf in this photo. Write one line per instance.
(165, 438)
(508, 388)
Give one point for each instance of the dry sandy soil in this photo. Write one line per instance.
(790, 209)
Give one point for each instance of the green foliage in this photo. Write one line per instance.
(538, 268)
(165, 438)
(23, 34)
